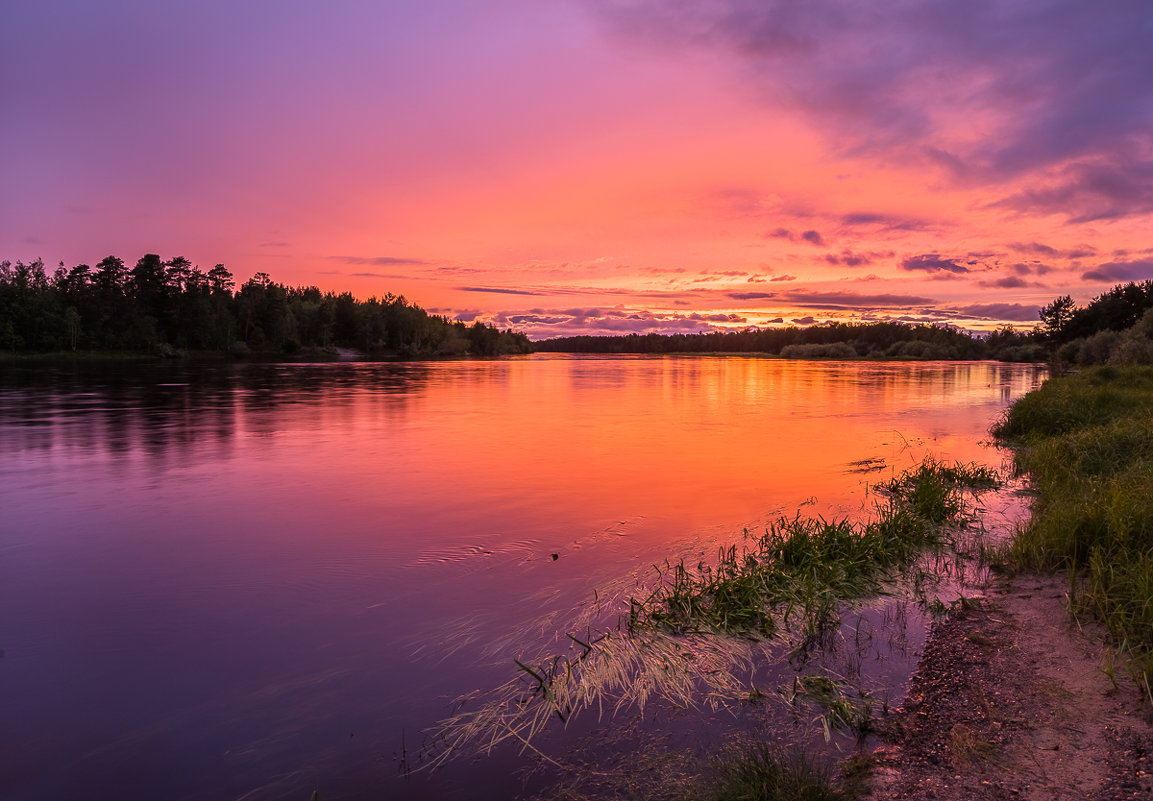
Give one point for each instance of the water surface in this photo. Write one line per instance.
(247, 581)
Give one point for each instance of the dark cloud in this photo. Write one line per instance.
(1034, 247)
(883, 222)
(804, 320)
(719, 318)
(1088, 192)
(1051, 83)
(1119, 271)
(854, 300)
(948, 161)
(378, 261)
(750, 295)
(535, 319)
(780, 233)
(777, 278)
(497, 290)
(1008, 282)
(1017, 312)
(933, 263)
(814, 237)
(1032, 268)
(849, 259)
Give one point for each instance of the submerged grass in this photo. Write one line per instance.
(700, 628)
(1087, 442)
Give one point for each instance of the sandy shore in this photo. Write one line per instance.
(1012, 700)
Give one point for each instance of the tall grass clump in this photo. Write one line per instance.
(1086, 440)
(764, 773)
(803, 567)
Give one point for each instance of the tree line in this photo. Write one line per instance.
(169, 306)
(882, 340)
(1115, 327)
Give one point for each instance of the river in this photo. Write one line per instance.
(250, 581)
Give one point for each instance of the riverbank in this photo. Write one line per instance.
(1042, 689)
(1014, 699)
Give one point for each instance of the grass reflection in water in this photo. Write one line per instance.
(694, 635)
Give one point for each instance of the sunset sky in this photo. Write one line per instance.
(595, 166)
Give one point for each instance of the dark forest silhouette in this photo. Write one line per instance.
(167, 306)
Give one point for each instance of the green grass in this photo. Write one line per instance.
(802, 568)
(1086, 440)
(765, 773)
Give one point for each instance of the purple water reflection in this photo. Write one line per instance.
(233, 581)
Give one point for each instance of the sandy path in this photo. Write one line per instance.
(1012, 701)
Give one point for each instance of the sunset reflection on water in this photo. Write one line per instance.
(216, 574)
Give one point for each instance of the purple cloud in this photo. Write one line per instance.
(1035, 248)
(1053, 83)
(849, 259)
(853, 300)
(1017, 312)
(1033, 268)
(750, 295)
(813, 237)
(497, 290)
(1121, 271)
(1088, 192)
(378, 261)
(882, 221)
(1008, 282)
(933, 263)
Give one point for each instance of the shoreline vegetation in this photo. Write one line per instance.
(1086, 442)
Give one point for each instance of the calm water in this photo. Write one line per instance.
(249, 581)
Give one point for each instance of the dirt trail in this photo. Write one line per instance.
(1012, 701)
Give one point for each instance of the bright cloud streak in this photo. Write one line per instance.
(596, 165)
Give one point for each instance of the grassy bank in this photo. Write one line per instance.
(1087, 442)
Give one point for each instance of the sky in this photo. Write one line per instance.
(595, 166)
